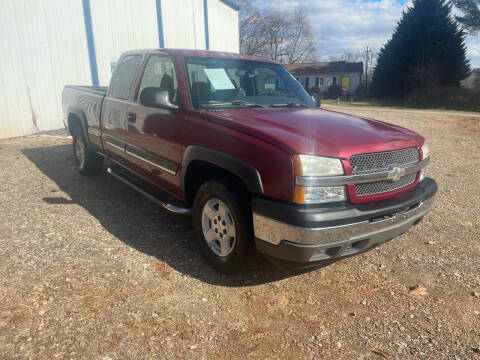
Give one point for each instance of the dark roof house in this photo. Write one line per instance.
(325, 68)
(324, 74)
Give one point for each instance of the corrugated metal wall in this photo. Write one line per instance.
(191, 22)
(39, 43)
(44, 47)
(223, 27)
(121, 25)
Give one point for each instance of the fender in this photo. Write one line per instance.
(83, 121)
(245, 172)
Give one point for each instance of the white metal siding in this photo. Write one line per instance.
(183, 24)
(121, 25)
(43, 47)
(223, 27)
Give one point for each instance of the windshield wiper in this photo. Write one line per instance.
(235, 103)
(290, 104)
(247, 103)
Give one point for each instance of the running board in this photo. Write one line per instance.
(169, 207)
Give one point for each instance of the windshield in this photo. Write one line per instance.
(216, 83)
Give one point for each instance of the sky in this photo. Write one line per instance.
(348, 25)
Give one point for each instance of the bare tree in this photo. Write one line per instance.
(369, 61)
(302, 45)
(251, 30)
(282, 35)
(276, 35)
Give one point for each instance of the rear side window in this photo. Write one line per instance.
(124, 76)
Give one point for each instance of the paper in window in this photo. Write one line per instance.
(219, 79)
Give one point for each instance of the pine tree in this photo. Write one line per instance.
(427, 49)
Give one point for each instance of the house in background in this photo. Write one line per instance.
(322, 75)
(473, 81)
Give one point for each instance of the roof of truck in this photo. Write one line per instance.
(206, 53)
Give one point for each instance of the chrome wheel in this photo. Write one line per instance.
(218, 227)
(80, 152)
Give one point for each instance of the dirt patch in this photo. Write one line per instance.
(91, 270)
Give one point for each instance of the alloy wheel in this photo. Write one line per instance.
(218, 227)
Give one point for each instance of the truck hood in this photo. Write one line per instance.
(317, 131)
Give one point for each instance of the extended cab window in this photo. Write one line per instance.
(124, 76)
(160, 73)
(226, 83)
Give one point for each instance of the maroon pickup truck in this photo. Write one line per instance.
(236, 142)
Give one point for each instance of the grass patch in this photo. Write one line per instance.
(440, 99)
(373, 102)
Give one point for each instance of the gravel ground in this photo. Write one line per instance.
(91, 270)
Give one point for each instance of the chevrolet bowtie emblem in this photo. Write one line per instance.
(395, 173)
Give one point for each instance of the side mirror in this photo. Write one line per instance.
(316, 99)
(157, 98)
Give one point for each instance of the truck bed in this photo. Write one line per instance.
(97, 90)
(84, 101)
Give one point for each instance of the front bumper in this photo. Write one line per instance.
(306, 234)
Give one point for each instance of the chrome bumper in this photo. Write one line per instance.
(274, 232)
(299, 234)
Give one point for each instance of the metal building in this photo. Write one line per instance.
(46, 44)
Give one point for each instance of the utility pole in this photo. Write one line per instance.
(367, 59)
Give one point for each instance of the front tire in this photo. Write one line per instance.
(222, 225)
(88, 161)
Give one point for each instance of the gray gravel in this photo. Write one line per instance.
(91, 270)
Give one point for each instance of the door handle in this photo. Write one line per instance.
(132, 117)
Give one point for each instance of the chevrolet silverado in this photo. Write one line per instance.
(238, 144)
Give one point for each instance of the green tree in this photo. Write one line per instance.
(471, 14)
(427, 49)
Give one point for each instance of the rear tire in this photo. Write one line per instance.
(88, 161)
(223, 226)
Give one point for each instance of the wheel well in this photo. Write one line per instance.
(73, 122)
(199, 172)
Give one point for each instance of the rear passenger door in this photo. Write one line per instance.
(115, 106)
(153, 133)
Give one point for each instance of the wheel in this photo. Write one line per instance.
(88, 161)
(223, 226)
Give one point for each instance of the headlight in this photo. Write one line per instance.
(318, 166)
(425, 150)
(318, 195)
(310, 165)
(426, 154)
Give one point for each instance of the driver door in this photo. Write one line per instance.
(152, 144)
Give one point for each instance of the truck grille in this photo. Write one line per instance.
(384, 186)
(379, 162)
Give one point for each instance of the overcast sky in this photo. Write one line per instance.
(347, 25)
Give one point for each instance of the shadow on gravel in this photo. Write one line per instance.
(140, 223)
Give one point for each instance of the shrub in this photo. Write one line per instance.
(361, 93)
(334, 92)
(446, 98)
